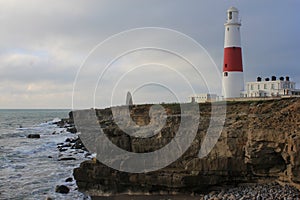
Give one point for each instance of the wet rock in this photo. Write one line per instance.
(72, 129)
(33, 136)
(87, 155)
(62, 149)
(62, 189)
(68, 140)
(72, 140)
(78, 145)
(66, 145)
(70, 179)
(66, 158)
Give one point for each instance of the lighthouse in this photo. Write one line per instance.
(233, 78)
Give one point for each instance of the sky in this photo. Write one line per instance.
(51, 55)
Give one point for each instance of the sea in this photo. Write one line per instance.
(30, 168)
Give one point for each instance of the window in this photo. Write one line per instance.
(258, 87)
(265, 86)
(225, 65)
(230, 15)
(251, 87)
(272, 86)
(227, 29)
(225, 74)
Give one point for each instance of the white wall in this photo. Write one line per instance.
(233, 84)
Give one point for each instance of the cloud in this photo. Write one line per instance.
(43, 43)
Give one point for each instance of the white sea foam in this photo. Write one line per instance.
(29, 168)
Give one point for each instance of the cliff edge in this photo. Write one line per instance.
(260, 142)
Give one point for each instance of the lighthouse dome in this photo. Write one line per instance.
(233, 16)
(232, 9)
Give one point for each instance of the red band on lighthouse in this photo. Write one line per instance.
(233, 59)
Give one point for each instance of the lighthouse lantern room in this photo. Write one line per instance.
(233, 78)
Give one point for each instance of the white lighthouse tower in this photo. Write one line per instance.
(233, 78)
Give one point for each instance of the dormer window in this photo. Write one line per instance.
(230, 16)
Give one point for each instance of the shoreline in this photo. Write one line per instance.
(244, 191)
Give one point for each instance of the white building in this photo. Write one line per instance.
(271, 87)
(203, 98)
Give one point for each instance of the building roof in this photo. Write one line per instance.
(232, 9)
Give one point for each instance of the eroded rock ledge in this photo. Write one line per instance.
(259, 142)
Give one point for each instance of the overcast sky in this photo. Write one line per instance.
(43, 44)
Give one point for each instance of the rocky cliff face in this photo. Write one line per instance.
(260, 141)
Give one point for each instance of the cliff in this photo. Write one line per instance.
(260, 141)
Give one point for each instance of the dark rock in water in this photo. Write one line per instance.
(78, 145)
(62, 123)
(33, 136)
(50, 157)
(62, 189)
(62, 149)
(54, 133)
(87, 155)
(66, 158)
(70, 179)
(72, 140)
(72, 129)
(66, 145)
(68, 140)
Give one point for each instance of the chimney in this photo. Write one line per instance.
(287, 78)
(281, 78)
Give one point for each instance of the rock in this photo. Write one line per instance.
(33, 136)
(65, 145)
(72, 129)
(66, 158)
(257, 144)
(68, 140)
(62, 189)
(62, 149)
(87, 154)
(70, 179)
(50, 157)
(78, 145)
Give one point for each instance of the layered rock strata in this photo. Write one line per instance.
(260, 141)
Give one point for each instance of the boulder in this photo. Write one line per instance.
(33, 136)
(70, 179)
(66, 158)
(62, 189)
